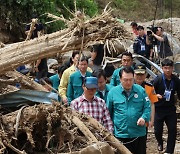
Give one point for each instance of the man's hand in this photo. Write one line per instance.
(152, 33)
(141, 122)
(151, 124)
(64, 99)
(159, 96)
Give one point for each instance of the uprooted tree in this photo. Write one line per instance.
(55, 128)
(79, 34)
(52, 129)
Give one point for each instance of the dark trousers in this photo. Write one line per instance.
(171, 122)
(135, 145)
(41, 74)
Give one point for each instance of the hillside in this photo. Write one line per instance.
(12, 25)
(142, 10)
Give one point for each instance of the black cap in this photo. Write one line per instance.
(140, 28)
(140, 68)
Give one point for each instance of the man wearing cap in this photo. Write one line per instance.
(126, 60)
(140, 76)
(129, 107)
(93, 105)
(76, 80)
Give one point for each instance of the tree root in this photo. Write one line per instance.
(53, 129)
(13, 148)
(84, 129)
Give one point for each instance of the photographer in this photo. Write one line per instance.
(141, 45)
(164, 49)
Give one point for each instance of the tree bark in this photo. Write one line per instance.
(76, 37)
(25, 81)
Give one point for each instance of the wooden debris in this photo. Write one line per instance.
(84, 129)
(34, 21)
(52, 128)
(25, 81)
(78, 35)
(107, 135)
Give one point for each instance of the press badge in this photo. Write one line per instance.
(142, 47)
(167, 95)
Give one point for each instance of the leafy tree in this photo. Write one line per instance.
(15, 14)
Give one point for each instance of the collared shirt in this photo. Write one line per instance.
(65, 79)
(126, 110)
(103, 94)
(75, 89)
(96, 109)
(115, 79)
(55, 81)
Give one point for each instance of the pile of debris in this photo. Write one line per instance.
(78, 35)
(53, 129)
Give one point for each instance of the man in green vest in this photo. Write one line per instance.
(126, 60)
(76, 80)
(129, 107)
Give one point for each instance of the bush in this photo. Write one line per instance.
(16, 13)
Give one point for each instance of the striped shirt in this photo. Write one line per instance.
(96, 109)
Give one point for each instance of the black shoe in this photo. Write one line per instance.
(160, 147)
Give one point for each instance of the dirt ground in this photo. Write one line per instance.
(152, 143)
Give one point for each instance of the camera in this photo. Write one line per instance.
(151, 38)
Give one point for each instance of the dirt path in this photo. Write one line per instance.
(152, 143)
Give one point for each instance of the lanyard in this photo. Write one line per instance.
(171, 84)
(142, 40)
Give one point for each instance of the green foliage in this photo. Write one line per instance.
(145, 9)
(16, 13)
(127, 4)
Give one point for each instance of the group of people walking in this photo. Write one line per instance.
(128, 105)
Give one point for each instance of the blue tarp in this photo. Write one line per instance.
(23, 96)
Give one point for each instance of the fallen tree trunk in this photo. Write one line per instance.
(107, 135)
(76, 37)
(84, 129)
(25, 81)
